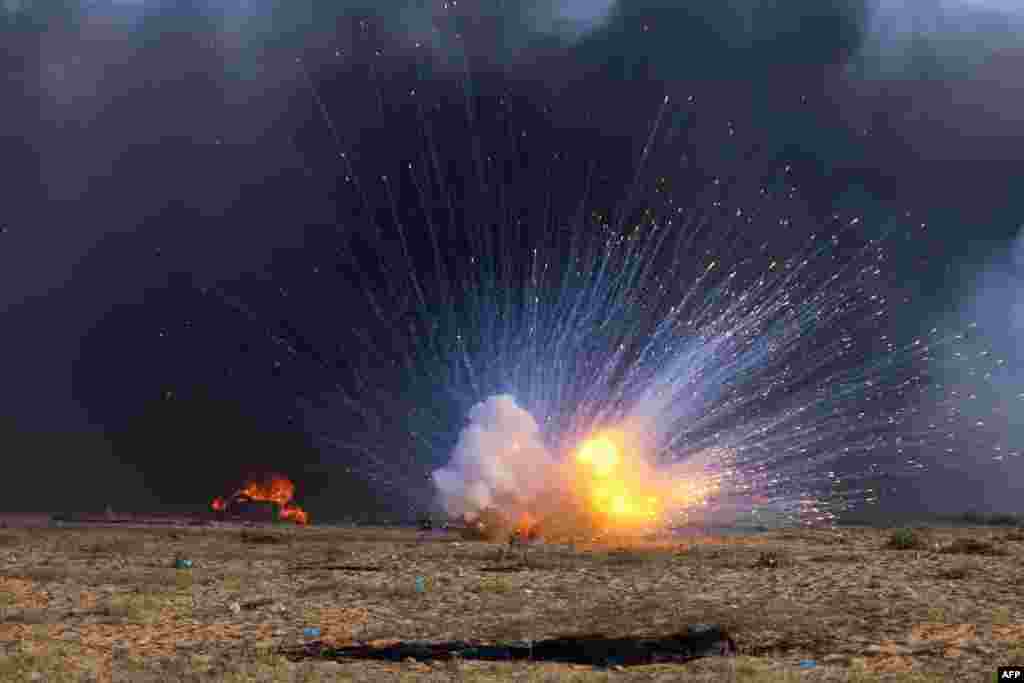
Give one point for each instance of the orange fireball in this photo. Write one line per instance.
(623, 490)
(611, 479)
(274, 489)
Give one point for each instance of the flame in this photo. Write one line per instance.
(294, 513)
(622, 490)
(526, 524)
(274, 489)
(612, 483)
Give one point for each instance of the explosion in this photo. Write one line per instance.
(275, 489)
(503, 478)
(624, 491)
(610, 490)
(626, 362)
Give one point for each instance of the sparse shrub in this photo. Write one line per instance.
(905, 539)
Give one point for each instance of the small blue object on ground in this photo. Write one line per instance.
(808, 664)
(311, 632)
(421, 585)
(182, 564)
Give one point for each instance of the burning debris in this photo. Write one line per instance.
(270, 498)
(489, 525)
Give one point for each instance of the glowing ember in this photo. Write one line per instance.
(526, 527)
(274, 489)
(294, 513)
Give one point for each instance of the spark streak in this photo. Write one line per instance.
(747, 347)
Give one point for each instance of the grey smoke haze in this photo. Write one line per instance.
(945, 70)
(953, 39)
(992, 297)
(942, 74)
(129, 127)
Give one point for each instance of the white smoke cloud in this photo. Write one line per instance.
(500, 460)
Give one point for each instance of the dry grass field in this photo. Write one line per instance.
(107, 604)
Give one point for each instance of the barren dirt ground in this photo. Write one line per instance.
(106, 603)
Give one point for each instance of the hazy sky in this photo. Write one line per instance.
(141, 139)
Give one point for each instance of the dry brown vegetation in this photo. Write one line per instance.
(105, 604)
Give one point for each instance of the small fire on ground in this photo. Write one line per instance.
(275, 489)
